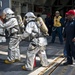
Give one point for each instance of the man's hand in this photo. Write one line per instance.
(64, 39)
(73, 40)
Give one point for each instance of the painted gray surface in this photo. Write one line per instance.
(5, 4)
(16, 68)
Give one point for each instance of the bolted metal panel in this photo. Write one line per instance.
(49, 2)
(64, 3)
(40, 2)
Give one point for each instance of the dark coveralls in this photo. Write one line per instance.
(69, 34)
(49, 23)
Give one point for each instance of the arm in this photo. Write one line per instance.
(74, 34)
(62, 21)
(29, 28)
(32, 29)
(1, 24)
(10, 23)
(64, 33)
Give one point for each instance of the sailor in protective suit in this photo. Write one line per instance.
(37, 44)
(2, 31)
(12, 26)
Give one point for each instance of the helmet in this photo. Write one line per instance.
(8, 11)
(30, 15)
(57, 12)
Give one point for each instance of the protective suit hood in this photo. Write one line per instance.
(8, 11)
(30, 16)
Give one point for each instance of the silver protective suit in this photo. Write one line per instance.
(36, 46)
(14, 51)
(2, 32)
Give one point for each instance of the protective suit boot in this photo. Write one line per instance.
(17, 60)
(24, 68)
(9, 62)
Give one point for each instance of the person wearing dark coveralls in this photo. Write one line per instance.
(49, 23)
(69, 36)
(65, 21)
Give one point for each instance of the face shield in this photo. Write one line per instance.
(30, 16)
